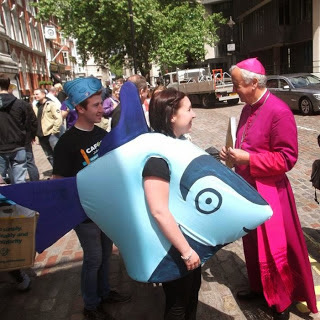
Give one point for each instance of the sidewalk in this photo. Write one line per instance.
(55, 292)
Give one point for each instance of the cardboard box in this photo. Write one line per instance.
(17, 237)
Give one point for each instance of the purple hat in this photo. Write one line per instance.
(80, 89)
(253, 65)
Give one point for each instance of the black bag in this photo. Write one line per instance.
(315, 178)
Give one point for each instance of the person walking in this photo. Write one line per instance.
(171, 114)
(13, 129)
(49, 122)
(266, 148)
(76, 149)
(13, 122)
(31, 130)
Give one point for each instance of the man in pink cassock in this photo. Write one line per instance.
(266, 148)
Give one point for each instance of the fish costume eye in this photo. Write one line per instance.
(208, 201)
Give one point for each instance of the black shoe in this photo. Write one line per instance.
(248, 295)
(284, 315)
(115, 297)
(94, 314)
(97, 314)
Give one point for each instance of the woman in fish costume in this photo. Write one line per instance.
(171, 114)
(266, 148)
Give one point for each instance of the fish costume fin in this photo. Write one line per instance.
(132, 122)
(57, 202)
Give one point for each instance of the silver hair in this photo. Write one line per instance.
(248, 77)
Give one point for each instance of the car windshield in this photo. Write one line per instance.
(305, 80)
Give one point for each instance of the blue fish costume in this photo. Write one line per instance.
(212, 205)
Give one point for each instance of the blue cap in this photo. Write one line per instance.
(80, 89)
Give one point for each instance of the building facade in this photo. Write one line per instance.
(218, 57)
(59, 50)
(22, 47)
(283, 34)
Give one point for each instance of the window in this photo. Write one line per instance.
(305, 10)
(16, 24)
(27, 6)
(37, 37)
(284, 12)
(63, 40)
(272, 83)
(283, 83)
(7, 19)
(32, 33)
(65, 57)
(24, 32)
(30, 8)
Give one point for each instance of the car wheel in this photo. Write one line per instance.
(306, 107)
(205, 100)
(232, 102)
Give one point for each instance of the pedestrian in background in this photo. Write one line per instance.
(266, 148)
(70, 116)
(49, 122)
(61, 95)
(31, 130)
(52, 95)
(171, 114)
(13, 127)
(109, 104)
(142, 86)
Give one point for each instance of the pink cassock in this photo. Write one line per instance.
(276, 253)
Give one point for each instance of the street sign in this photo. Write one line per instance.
(50, 32)
(231, 47)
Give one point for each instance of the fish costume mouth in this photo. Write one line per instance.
(210, 203)
(247, 230)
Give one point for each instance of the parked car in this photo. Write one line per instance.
(301, 91)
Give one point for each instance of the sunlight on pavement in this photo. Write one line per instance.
(315, 265)
(302, 306)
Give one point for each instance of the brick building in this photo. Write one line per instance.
(22, 47)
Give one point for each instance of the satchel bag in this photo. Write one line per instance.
(315, 178)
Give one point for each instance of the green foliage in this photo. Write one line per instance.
(44, 83)
(116, 66)
(168, 32)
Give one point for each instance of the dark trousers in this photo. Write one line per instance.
(47, 144)
(182, 296)
(16, 275)
(31, 166)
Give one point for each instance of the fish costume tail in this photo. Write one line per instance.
(58, 203)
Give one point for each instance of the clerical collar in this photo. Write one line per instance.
(264, 92)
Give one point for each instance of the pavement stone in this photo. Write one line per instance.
(55, 292)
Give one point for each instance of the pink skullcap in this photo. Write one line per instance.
(253, 65)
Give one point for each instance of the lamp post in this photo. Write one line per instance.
(231, 23)
(133, 41)
(231, 47)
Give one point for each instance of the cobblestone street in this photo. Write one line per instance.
(55, 292)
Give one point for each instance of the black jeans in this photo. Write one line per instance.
(182, 296)
(48, 143)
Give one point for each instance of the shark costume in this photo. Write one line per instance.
(212, 205)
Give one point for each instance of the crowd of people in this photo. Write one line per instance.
(266, 148)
